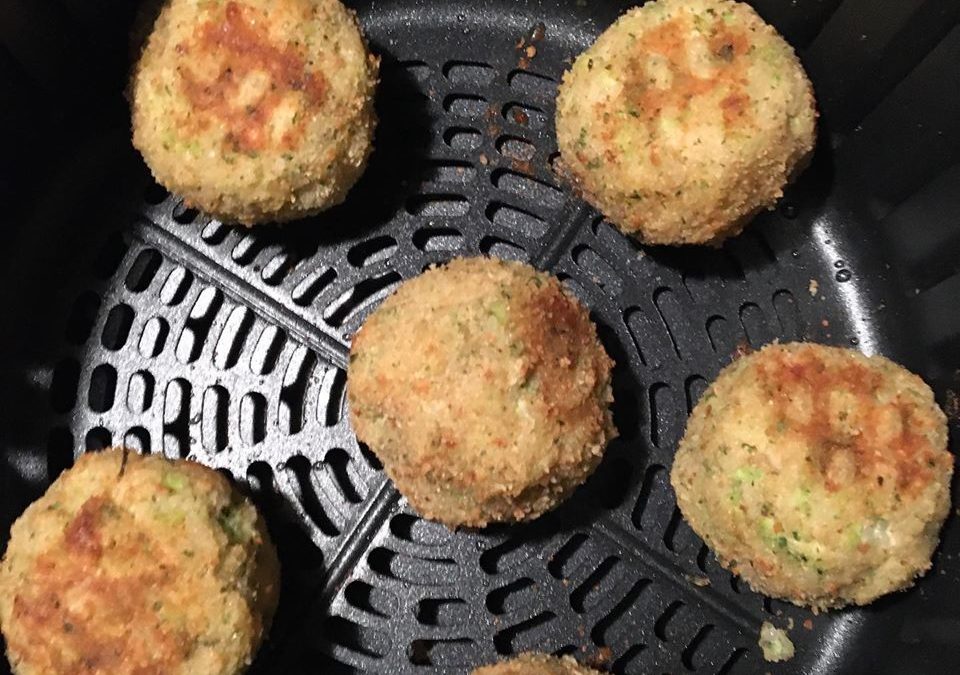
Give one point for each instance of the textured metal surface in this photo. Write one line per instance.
(145, 323)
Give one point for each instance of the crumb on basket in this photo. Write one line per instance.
(775, 644)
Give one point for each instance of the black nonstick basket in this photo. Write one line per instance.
(130, 319)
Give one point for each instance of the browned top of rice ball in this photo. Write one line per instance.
(255, 110)
(483, 388)
(137, 565)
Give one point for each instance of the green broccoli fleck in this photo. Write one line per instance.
(175, 482)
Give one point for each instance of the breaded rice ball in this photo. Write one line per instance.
(137, 565)
(816, 473)
(684, 119)
(255, 110)
(484, 390)
(536, 664)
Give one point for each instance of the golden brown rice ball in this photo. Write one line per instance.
(816, 473)
(484, 390)
(137, 565)
(255, 110)
(684, 119)
(536, 664)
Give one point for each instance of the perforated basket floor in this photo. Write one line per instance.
(133, 320)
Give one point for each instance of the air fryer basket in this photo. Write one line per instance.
(131, 319)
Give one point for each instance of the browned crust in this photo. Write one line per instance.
(669, 39)
(536, 664)
(557, 333)
(115, 631)
(842, 458)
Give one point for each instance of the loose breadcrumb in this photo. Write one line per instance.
(775, 643)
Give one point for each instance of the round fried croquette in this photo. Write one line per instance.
(536, 664)
(816, 473)
(684, 119)
(137, 565)
(255, 110)
(483, 388)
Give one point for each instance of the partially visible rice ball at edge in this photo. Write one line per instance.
(121, 542)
